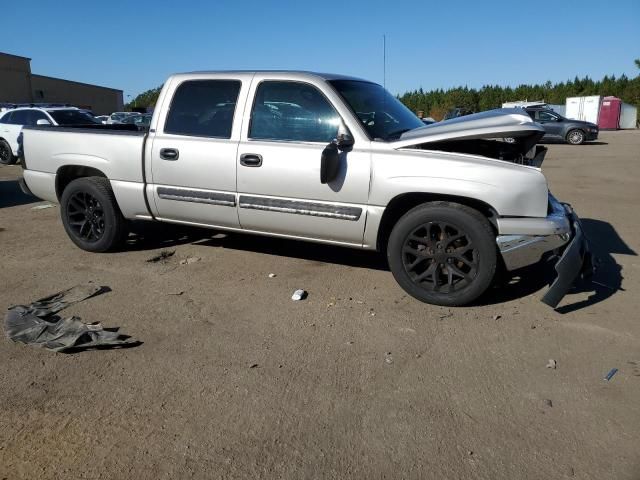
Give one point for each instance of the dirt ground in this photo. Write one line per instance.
(235, 380)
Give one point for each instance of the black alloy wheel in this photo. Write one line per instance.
(440, 257)
(443, 253)
(91, 216)
(6, 156)
(85, 216)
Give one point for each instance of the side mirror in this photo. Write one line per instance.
(43, 121)
(345, 142)
(329, 163)
(344, 138)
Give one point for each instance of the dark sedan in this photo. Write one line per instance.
(559, 128)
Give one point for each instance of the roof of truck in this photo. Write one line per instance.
(299, 74)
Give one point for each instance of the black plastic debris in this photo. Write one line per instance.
(37, 324)
(163, 256)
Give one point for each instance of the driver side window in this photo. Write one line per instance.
(546, 117)
(292, 111)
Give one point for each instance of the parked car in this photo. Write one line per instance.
(142, 122)
(12, 121)
(343, 163)
(559, 128)
(118, 117)
(102, 119)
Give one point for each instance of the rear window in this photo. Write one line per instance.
(203, 108)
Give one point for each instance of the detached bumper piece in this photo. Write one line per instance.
(575, 262)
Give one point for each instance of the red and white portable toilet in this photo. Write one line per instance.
(609, 118)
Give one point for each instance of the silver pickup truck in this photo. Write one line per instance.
(324, 158)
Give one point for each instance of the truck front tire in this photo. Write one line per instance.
(91, 216)
(443, 253)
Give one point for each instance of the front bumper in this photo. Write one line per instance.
(559, 233)
(575, 262)
(591, 135)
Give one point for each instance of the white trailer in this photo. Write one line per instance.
(628, 116)
(586, 109)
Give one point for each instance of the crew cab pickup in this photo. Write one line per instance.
(324, 158)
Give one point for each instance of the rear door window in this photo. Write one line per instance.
(20, 117)
(6, 118)
(203, 108)
(36, 115)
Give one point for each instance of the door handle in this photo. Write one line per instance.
(251, 160)
(169, 153)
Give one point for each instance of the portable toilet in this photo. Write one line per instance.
(609, 118)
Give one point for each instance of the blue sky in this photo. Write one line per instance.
(134, 45)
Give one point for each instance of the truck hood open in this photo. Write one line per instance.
(505, 134)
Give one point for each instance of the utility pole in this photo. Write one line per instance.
(384, 61)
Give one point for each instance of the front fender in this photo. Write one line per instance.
(510, 189)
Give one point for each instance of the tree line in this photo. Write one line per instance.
(435, 103)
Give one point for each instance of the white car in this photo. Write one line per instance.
(104, 119)
(118, 117)
(12, 121)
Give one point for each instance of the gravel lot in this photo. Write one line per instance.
(235, 380)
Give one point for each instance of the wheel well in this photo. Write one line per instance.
(401, 204)
(65, 175)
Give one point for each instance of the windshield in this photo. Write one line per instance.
(72, 117)
(383, 116)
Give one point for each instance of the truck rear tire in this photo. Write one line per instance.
(443, 253)
(6, 155)
(91, 216)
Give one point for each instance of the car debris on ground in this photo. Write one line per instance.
(552, 363)
(610, 375)
(36, 324)
(162, 257)
(299, 295)
(190, 260)
(42, 207)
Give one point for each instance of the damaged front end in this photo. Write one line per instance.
(502, 134)
(561, 235)
(511, 135)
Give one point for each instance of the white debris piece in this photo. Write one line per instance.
(272, 275)
(189, 260)
(298, 295)
(42, 207)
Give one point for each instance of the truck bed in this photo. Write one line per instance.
(48, 148)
